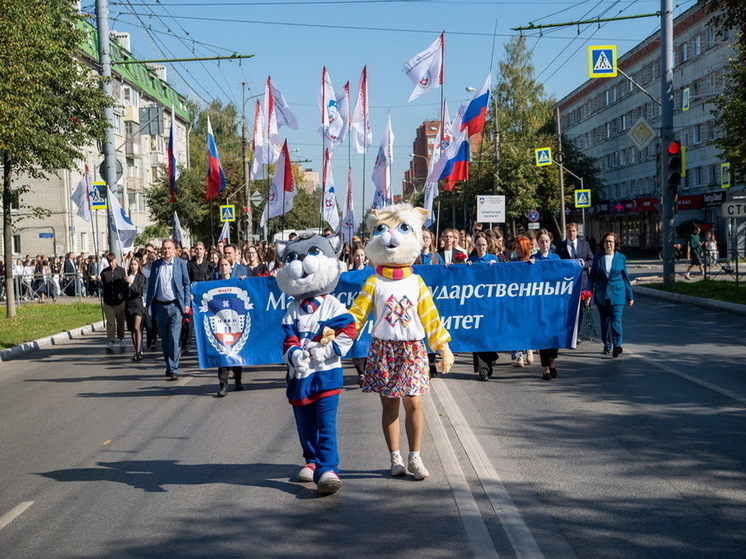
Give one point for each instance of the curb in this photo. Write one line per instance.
(22, 349)
(690, 300)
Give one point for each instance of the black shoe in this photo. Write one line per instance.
(605, 352)
(138, 356)
(553, 372)
(222, 393)
(173, 376)
(168, 374)
(617, 351)
(547, 376)
(239, 386)
(484, 373)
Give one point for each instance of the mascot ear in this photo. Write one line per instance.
(421, 214)
(336, 242)
(281, 246)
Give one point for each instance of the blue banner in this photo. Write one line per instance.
(503, 307)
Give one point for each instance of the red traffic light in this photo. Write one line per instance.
(674, 148)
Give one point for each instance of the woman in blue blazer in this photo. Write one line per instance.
(611, 289)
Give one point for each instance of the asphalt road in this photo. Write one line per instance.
(641, 456)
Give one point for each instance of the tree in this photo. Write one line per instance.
(50, 104)
(522, 112)
(730, 105)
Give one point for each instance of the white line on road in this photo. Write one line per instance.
(690, 378)
(518, 533)
(474, 526)
(14, 513)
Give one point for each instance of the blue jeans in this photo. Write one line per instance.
(317, 430)
(168, 318)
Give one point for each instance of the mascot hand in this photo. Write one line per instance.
(301, 361)
(446, 359)
(321, 352)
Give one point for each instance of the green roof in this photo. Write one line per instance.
(136, 73)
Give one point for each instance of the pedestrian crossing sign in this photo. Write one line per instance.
(543, 156)
(583, 198)
(227, 213)
(98, 196)
(602, 62)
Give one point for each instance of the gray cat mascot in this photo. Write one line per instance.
(318, 332)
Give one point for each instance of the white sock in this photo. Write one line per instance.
(396, 454)
(413, 453)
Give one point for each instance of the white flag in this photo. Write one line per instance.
(425, 69)
(123, 231)
(431, 187)
(382, 169)
(281, 189)
(264, 150)
(329, 200)
(343, 106)
(361, 133)
(332, 124)
(349, 225)
(283, 115)
(225, 233)
(177, 235)
(82, 195)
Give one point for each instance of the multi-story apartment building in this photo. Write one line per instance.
(422, 148)
(599, 115)
(143, 114)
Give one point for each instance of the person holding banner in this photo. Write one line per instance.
(523, 249)
(481, 254)
(224, 273)
(547, 356)
(428, 254)
(611, 288)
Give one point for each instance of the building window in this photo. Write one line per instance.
(83, 242)
(608, 130)
(709, 37)
(16, 244)
(623, 122)
(697, 45)
(153, 175)
(684, 52)
(118, 124)
(714, 174)
(697, 176)
(697, 134)
(607, 97)
(131, 97)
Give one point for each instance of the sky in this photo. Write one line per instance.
(292, 40)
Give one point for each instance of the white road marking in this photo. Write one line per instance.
(518, 533)
(14, 513)
(690, 378)
(474, 526)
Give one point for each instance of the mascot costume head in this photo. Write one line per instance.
(311, 266)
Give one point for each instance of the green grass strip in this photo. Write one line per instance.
(34, 321)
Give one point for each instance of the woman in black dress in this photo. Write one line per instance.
(134, 309)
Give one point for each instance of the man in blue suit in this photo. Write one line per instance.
(572, 248)
(167, 300)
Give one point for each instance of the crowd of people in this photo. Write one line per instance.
(124, 287)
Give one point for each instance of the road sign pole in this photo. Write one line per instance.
(668, 199)
(561, 177)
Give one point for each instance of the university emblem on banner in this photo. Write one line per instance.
(226, 321)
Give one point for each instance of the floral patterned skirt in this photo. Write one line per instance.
(397, 368)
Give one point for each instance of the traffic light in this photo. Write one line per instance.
(674, 165)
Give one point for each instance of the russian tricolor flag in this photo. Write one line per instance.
(457, 168)
(215, 174)
(476, 112)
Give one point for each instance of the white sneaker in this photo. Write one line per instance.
(329, 482)
(397, 466)
(417, 468)
(687, 276)
(519, 362)
(122, 345)
(530, 357)
(110, 347)
(306, 472)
